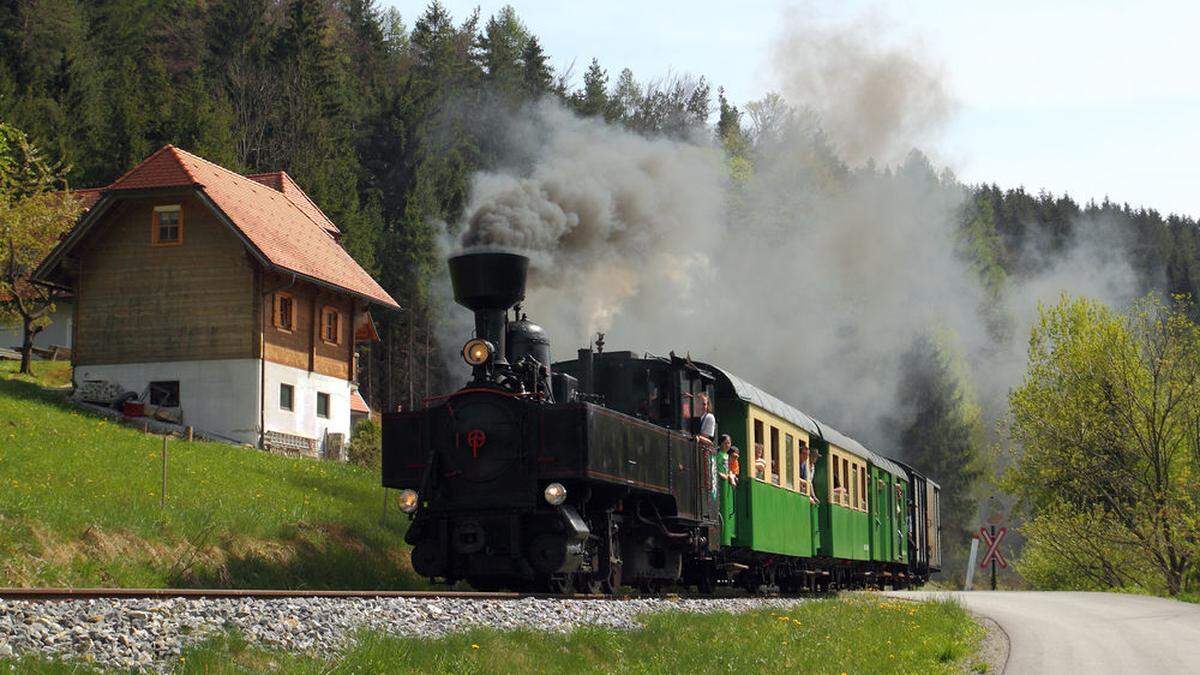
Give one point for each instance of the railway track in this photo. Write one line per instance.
(215, 593)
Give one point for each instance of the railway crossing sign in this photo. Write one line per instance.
(992, 540)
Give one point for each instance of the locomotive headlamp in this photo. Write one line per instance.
(477, 352)
(408, 500)
(555, 494)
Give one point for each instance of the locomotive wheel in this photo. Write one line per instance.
(560, 584)
(590, 584)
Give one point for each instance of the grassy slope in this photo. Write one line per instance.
(79, 505)
(858, 635)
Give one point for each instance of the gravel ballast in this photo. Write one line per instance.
(151, 633)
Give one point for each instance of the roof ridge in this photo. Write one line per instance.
(210, 163)
(284, 174)
(135, 167)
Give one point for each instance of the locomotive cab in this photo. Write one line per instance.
(662, 391)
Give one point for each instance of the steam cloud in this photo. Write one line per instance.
(606, 215)
(808, 282)
(875, 101)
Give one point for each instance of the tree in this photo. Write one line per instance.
(538, 77)
(33, 216)
(501, 48)
(1108, 426)
(940, 433)
(592, 100)
(730, 134)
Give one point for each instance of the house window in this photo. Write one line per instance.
(166, 227)
(331, 321)
(287, 397)
(285, 312)
(323, 406)
(165, 394)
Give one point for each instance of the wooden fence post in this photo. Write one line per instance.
(162, 500)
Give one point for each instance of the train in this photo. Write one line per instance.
(589, 474)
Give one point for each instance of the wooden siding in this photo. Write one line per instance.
(303, 347)
(140, 303)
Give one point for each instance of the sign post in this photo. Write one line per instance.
(971, 563)
(992, 538)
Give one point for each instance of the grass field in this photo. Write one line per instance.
(79, 506)
(852, 635)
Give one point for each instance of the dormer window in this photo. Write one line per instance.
(166, 228)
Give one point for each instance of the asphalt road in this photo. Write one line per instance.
(1089, 632)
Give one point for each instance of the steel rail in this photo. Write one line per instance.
(213, 593)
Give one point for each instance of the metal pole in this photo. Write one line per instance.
(162, 499)
(971, 563)
(994, 559)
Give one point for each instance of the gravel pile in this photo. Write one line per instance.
(150, 634)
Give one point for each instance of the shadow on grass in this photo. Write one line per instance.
(333, 557)
(23, 390)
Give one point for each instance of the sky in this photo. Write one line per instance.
(1091, 98)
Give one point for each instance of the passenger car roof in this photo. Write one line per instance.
(752, 394)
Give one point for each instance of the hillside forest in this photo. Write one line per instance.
(386, 118)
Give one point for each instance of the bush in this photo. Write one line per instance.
(365, 444)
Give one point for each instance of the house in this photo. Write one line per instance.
(223, 298)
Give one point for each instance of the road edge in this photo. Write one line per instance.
(994, 649)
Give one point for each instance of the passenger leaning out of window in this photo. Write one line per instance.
(708, 423)
(728, 460)
(806, 470)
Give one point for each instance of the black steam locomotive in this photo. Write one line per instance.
(587, 475)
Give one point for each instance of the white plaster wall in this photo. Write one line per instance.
(302, 420)
(219, 397)
(57, 333)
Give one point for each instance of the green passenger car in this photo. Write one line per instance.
(848, 506)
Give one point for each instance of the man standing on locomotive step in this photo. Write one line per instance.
(708, 423)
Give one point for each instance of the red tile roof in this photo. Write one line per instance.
(280, 181)
(284, 228)
(358, 404)
(87, 197)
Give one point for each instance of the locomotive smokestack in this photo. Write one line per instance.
(489, 284)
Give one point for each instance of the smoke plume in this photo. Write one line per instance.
(810, 275)
(874, 99)
(608, 217)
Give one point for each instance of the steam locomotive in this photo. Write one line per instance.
(586, 475)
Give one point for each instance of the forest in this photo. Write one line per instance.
(385, 118)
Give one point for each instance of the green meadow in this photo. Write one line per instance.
(80, 506)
